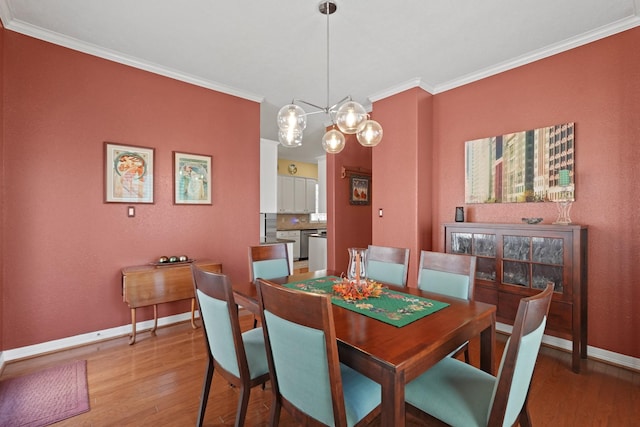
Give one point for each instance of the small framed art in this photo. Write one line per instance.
(191, 179)
(360, 190)
(128, 171)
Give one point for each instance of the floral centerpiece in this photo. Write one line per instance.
(357, 289)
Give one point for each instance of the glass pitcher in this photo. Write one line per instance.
(354, 268)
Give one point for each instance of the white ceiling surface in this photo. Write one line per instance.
(273, 51)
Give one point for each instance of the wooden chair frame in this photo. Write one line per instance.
(531, 313)
(219, 287)
(451, 263)
(390, 255)
(313, 311)
(267, 252)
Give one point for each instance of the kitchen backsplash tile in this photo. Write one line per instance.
(297, 222)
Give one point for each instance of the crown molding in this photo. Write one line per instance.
(548, 51)
(69, 42)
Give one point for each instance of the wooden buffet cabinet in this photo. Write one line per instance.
(153, 284)
(517, 260)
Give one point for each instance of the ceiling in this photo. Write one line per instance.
(273, 51)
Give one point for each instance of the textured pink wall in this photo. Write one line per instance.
(64, 247)
(402, 172)
(348, 225)
(597, 87)
(1, 186)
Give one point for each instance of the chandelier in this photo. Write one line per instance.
(348, 116)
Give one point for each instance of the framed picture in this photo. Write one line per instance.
(128, 173)
(191, 179)
(535, 165)
(360, 191)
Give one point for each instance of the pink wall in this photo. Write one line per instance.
(1, 186)
(64, 247)
(403, 175)
(597, 86)
(348, 225)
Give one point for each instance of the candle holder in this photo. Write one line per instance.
(357, 263)
(564, 203)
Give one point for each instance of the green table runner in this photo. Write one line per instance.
(395, 308)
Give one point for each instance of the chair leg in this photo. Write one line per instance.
(243, 404)
(466, 355)
(524, 418)
(255, 322)
(204, 397)
(274, 414)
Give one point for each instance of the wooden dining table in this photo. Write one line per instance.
(393, 356)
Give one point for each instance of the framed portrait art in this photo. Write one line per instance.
(191, 179)
(360, 190)
(128, 173)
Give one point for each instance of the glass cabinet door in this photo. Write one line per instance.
(483, 246)
(532, 262)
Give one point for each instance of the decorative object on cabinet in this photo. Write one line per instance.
(460, 214)
(293, 169)
(517, 260)
(360, 189)
(145, 285)
(128, 173)
(191, 179)
(565, 197)
(525, 177)
(531, 220)
(349, 116)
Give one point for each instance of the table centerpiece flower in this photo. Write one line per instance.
(357, 289)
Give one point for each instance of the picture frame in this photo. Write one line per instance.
(191, 179)
(360, 190)
(128, 173)
(534, 165)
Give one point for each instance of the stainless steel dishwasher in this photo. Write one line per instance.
(304, 242)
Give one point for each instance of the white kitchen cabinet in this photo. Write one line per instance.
(293, 235)
(286, 194)
(317, 253)
(300, 195)
(296, 194)
(268, 176)
(310, 199)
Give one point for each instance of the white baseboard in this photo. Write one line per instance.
(91, 337)
(88, 338)
(594, 353)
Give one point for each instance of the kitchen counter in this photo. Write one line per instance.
(272, 240)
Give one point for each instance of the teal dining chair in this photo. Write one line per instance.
(387, 265)
(268, 261)
(307, 378)
(240, 358)
(448, 274)
(462, 395)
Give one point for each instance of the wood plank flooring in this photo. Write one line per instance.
(158, 380)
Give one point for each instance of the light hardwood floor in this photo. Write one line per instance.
(158, 380)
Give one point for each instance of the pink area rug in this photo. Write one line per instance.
(45, 397)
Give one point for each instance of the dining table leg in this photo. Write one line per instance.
(392, 408)
(488, 348)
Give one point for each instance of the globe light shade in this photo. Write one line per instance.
(291, 116)
(369, 133)
(350, 116)
(333, 142)
(291, 137)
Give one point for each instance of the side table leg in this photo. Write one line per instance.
(155, 319)
(132, 337)
(193, 313)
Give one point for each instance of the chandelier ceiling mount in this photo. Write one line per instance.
(349, 116)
